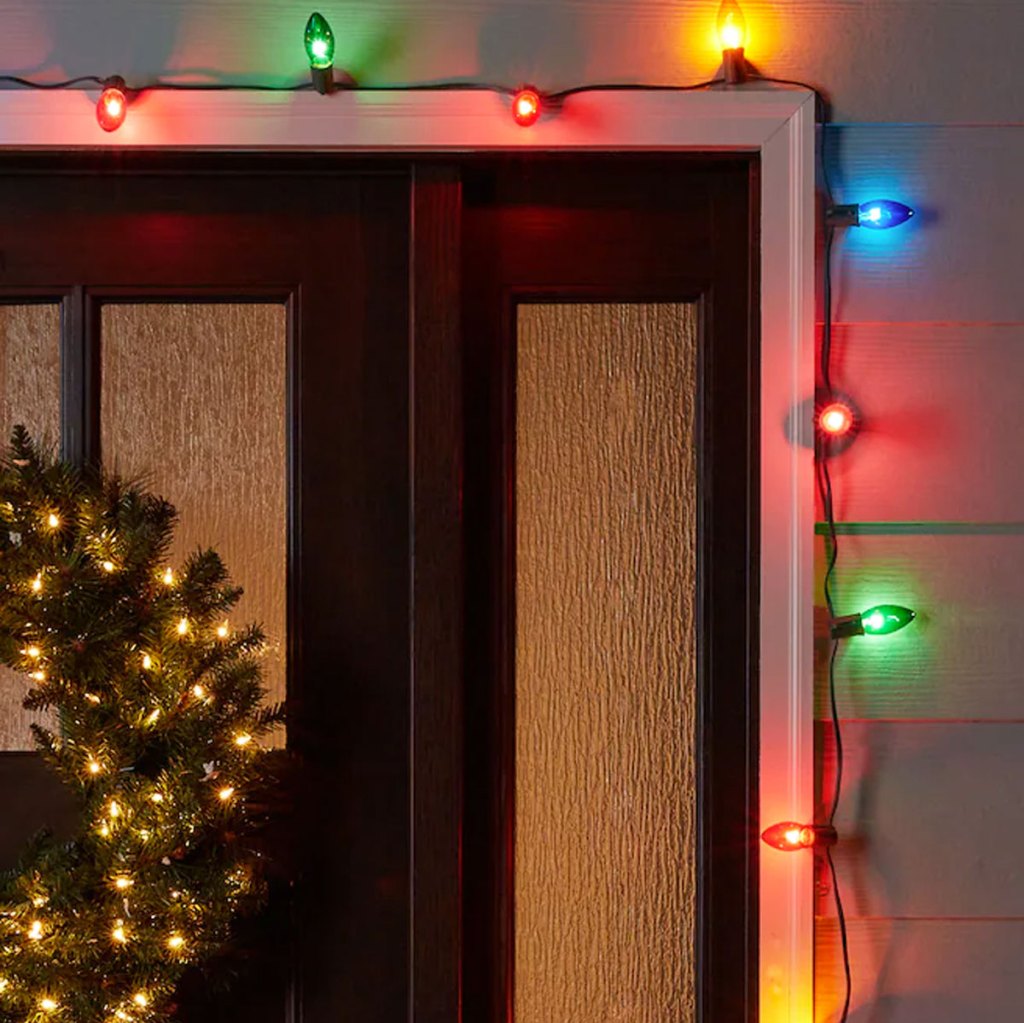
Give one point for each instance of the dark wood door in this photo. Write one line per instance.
(623, 230)
(332, 246)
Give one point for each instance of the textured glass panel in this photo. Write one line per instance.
(29, 394)
(194, 398)
(605, 664)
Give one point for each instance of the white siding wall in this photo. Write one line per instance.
(929, 105)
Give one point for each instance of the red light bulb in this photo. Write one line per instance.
(788, 836)
(112, 107)
(836, 419)
(526, 107)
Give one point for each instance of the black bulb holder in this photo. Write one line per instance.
(734, 66)
(329, 79)
(847, 626)
(843, 215)
(825, 835)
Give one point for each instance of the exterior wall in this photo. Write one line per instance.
(929, 108)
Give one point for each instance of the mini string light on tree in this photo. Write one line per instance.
(102, 927)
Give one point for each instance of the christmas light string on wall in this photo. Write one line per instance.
(836, 425)
(527, 106)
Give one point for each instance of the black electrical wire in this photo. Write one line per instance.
(69, 83)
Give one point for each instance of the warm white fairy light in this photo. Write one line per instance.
(147, 662)
(243, 739)
(104, 831)
(198, 691)
(222, 630)
(108, 566)
(48, 1004)
(37, 676)
(226, 793)
(141, 999)
(94, 767)
(115, 808)
(39, 901)
(157, 797)
(35, 930)
(34, 652)
(92, 697)
(119, 934)
(122, 882)
(168, 576)
(4, 983)
(182, 626)
(175, 942)
(37, 583)
(153, 716)
(53, 520)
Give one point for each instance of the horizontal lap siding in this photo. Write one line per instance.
(929, 344)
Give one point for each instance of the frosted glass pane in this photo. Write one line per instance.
(29, 394)
(193, 396)
(605, 897)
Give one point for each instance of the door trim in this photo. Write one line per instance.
(775, 123)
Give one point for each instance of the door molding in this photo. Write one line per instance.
(775, 123)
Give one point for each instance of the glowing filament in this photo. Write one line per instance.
(732, 26)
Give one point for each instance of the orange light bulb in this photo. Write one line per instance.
(836, 419)
(789, 836)
(732, 26)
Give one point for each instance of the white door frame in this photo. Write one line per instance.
(778, 124)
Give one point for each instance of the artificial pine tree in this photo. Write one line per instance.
(160, 708)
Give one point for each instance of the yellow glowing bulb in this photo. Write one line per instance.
(226, 793)
(153, 716)
(732, 26)
(157, 797)
(140, 999)
(147, 661)
(183, 627)
(222, 630)
(104, 830)
(123, 883)
(38, 676)
(115, 809)
(119, 934)
(108, 566)
(53, 521)
(35, 931)
(47, 1004)
(37, 583)
(243, 739)
(4, 983)
(92, 697)
(168, 577)
(198, 692)
(95, 767)
(38, 901)
(34, 652)
(175, 942)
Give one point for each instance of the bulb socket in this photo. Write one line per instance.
(734, 66)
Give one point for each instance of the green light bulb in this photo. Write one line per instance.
(319, 42)
(885, 619)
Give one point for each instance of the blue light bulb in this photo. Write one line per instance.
(881, 214)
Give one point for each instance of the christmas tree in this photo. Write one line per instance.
(159, 709)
